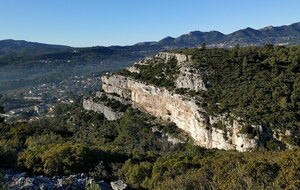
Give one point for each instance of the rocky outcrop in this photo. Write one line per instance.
(190, 79)
(19, 181)
(181, 110)
(181, 58)
(133, 69)
(119, 185)
(116, 84)
(113, 97)
(109, 113)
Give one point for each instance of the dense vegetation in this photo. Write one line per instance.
(157, 72)
(76, 140)
(259, 85)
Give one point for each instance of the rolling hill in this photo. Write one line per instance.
(281, 35)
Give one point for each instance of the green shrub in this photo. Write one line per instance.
(67, 159)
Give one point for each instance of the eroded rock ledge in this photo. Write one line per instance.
(183, 110)
(109, 113)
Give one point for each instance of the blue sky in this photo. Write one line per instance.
(126, 22)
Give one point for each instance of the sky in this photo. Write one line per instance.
(82, 23)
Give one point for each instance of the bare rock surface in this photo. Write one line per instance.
(20, 181)
(109, 113)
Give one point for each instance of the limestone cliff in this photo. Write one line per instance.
(181, 58)
(209, 131)
(109, 113)
(190, 79)
(181, 110)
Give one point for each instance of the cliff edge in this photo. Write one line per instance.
(169, 86)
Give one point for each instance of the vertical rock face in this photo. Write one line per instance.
(190, 79)
(116, 84)
(90, 104)
(181, 110)
(181, 58)
(164, 103)
(143, 86)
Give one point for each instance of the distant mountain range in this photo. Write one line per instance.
(282, 35)
(22, 62)
(21, 47)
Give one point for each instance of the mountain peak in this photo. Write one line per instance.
(167, 40)
(268, 28)
(249, 28)
(197, 32)
(286, 34)
(245, 37)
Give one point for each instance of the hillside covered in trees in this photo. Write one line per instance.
(80, 141)
(259, 85)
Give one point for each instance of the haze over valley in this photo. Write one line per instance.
(208, 109)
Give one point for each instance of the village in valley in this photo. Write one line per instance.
(31, 103)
